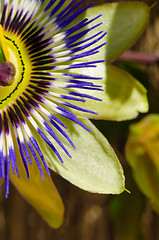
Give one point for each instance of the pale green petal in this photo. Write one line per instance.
(41, 194)
(94, 166)
(124, 23)
(142, 153)
(123, 96)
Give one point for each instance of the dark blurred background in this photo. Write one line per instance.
(92, 216)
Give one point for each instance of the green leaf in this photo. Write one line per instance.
(123, 96)
(93, 167)
(41, 194)
(142, 153)
(124, 23)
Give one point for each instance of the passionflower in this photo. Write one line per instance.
(52, 77)
(38, 45)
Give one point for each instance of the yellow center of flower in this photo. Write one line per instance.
(17, 58)
(3, 44)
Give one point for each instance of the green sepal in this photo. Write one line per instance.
(124, 23)
(93, 167)
(123, 96)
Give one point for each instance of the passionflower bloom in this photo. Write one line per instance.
(52, 77)
(38, 46)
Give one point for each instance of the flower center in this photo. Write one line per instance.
(15, 68)
(7, 69)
